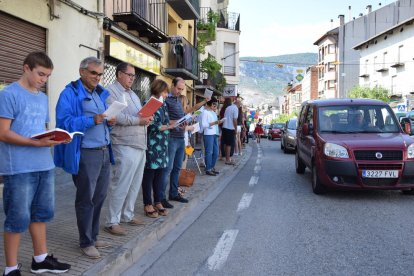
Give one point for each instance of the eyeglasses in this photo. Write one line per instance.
(132, 76)
(94, 73)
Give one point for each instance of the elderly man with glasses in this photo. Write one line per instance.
(129, 139)
(81, 107)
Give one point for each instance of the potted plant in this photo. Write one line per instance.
(210, 66)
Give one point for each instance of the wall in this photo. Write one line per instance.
(362, 29)
(64, 35)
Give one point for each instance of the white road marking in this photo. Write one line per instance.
(253, 181)
(245, 202)
(259, 156)
(258, 162)
(257, 169)
(222, 250)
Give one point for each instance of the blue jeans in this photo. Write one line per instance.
(211, 148)
(91, 183)
(27, 198)
(176, 156)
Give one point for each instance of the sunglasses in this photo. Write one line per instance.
(94, 73)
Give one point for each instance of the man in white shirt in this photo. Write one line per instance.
(229, 130)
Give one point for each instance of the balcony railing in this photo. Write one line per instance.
(148, 17)
(229, 20)
(182, 60)
(186, 9)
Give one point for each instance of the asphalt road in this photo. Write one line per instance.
(267, 221)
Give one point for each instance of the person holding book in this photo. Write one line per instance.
(157, 154)
(176, 141)
(81, 107)
(129, 139)
(27, 166)
(209, 124)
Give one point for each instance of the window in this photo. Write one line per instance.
(384, 59)
(400, 54)
(331, 49)
(229, 59)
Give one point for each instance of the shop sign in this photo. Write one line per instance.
(124, 52)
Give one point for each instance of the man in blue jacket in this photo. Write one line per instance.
(80, 108)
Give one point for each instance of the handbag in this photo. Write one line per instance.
(186, 178)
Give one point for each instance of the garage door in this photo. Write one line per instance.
(17, 39)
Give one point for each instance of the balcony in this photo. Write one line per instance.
(229, 20)
(397, 65)
(147, 17)
(186, 9)
(182, 60)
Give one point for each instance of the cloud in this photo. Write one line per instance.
(278, 39)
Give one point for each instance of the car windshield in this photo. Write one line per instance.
(292, 124)
(278, 125)
(357, 119)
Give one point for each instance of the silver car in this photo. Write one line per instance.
(288, 138)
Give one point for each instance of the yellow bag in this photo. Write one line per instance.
(189, 150)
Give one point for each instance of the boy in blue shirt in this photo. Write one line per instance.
(27, 166)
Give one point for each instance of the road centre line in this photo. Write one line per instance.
(222, 250)
(259, 156)
(253, 181)
(258, 162)
(257, 169)
(245, 201)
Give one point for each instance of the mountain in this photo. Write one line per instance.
(262, 79)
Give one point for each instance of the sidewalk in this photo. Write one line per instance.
(62, 233)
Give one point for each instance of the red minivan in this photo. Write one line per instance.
(354, 144)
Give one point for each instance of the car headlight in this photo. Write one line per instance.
(337, 151)
(410, 151)
(291, 137)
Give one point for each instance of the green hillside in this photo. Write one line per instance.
(262, 79)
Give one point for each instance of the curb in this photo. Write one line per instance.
(146, 241)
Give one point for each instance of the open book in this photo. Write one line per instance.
(150, 107)
(182, 120)
(60, 134)
(114, 109)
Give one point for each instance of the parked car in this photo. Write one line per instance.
(275, 131)
(265, 131)
(354, 144)
(288, 138)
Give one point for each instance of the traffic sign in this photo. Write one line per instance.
(401, 107)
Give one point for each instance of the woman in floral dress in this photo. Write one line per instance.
(157, 154)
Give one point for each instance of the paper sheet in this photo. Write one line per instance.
(114, 109)
(196, 128)
(180, 121)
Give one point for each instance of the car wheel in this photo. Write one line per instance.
(285, 149)
(281, 144)
(317, 187)
(300, 166)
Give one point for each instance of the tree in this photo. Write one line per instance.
(283, 118)
(379, 93)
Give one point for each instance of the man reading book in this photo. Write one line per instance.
(27, 166)
(129, 139)
(81, 107)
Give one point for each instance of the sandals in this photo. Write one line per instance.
(151, 214)
(160, 209)
(230, 163)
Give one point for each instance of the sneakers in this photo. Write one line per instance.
(102, 244)
(116, 230)
(179, 199)
(214, 171)
(210, 173)
(90, 252)
(50, 264)
(166, 204)
(15, 272)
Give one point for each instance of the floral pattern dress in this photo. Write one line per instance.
(157, 141)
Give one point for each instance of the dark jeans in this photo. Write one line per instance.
(91, 183)
(211, 149)
(176, 156)
(152, 180)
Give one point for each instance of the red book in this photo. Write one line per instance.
(150, 107)
(60, 134)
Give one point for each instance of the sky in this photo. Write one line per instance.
(279, 27)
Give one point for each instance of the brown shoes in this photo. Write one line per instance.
(150, 211)
(116, 230)
(135, 222)
(160, 209)
(102, 244)
(91, 252)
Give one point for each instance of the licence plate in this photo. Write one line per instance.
(380, 173)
